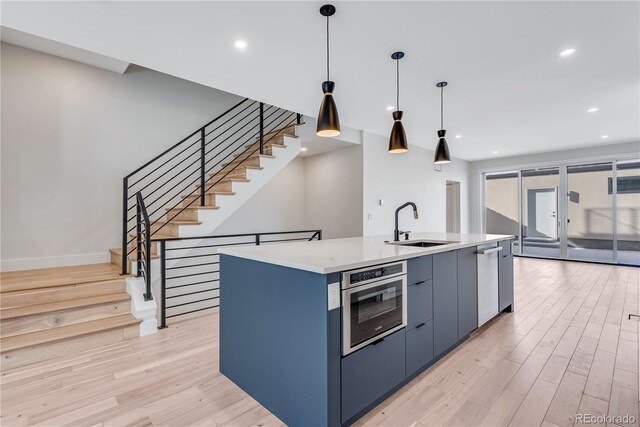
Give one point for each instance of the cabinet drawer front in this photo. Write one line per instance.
(419, 303)
(419, 269)
(369, 373)
(419, 347)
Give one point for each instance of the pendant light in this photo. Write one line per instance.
(398, 139)
(328, 122)
(442, 155)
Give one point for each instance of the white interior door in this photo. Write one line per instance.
(543, 212)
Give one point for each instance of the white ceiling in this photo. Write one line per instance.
(508, 89)
(51, 47)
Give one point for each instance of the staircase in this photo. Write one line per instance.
(51, 312)
(188, 190)
(239, 152)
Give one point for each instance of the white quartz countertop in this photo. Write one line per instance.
(333, 255)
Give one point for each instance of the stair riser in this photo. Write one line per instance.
(63, 293)
(246, 161)
(268, 148)
(24, 356)
(238, 173)
(166, 229)
(43, 321)
(185, 215)
(209, 200)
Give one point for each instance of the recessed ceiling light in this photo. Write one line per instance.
(303, 149)
(604, 136)
(568, 52)
(495, 151)
(390, 108)
(592, 110)
(458, 136)
(240, 44)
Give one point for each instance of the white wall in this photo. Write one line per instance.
(70, 132)
(605, 151)
(399, 178)
(278, 206)
(323, 191)
(333, 192)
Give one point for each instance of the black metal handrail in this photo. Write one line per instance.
(194, 165)
(143, 246)
(194, 268)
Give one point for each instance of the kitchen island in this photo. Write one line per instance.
(320, 332)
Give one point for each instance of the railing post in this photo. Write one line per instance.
(257, 239)
(138, 240)
(202, 166)
(262, 128)
(163, 286)
(298, 118)
(125, 224)
(319, 234)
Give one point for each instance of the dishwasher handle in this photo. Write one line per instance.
(489, 250)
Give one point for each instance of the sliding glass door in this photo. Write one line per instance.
(590, 212)
(586, 212)
(540, 226)
(628, 211)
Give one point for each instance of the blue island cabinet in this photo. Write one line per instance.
(278, 340)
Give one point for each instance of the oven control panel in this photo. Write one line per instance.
(357, 277)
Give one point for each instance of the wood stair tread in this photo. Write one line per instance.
(254, 155)
(132, 255)
(235, 170)
(177, 222)
(153, 236)
(27, 310)
(64, 332)
(192, 207)
(58, 276)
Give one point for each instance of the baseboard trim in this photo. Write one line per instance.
(53, 261)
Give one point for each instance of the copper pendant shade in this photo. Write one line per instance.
(398, 138)
(328, 123)
(442, 155)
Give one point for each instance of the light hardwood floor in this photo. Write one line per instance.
(569, 348)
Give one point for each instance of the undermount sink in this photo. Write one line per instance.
(420, 243)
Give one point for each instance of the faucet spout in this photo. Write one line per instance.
(396, 232)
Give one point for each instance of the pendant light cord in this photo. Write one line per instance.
(328, 49)
(397, 84)
(442, 107)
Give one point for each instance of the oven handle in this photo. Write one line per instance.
(353, 289)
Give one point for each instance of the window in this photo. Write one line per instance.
(626, 185)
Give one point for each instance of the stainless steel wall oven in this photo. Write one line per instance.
(374, 304)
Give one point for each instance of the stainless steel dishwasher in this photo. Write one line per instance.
(487, 282)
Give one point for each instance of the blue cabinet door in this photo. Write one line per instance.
(419, 347)
(445, 301)
(371, 372)
(419, 303)
(467, 291)
(419, 269)
(505, 276)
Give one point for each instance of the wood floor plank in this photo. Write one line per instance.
(569, 348)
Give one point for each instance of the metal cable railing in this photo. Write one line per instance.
(180, 177)
(190, 268)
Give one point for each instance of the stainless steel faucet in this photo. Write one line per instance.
(396, 232)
